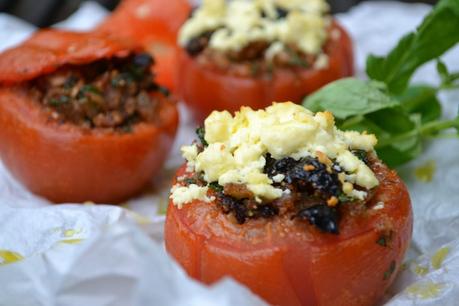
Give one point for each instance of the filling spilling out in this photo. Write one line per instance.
(250, 39)
(312, 191)
(112, 94)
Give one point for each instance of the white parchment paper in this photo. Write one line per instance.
(104, 255)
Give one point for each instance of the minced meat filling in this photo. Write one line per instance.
(312, 192)
(110, 93)
(249, 61)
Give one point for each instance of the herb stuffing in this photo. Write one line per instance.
(109, 94)
(312, 192)
(251, 170)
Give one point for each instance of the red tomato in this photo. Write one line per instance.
(154, 25)
(63, 162)
(205, 90)
(289, 262)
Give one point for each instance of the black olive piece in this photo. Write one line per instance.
(281, 166)
(231, 205)
(322, 216)
(267, 211)
(269, 164)
(195, 46)
(319, 178)
(143, 60)
(281, 12)
(240, 213)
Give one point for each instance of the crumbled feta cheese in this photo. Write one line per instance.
(321, 62)
(190, 153)
(237, 23)
(237, 146)
(181, 195)
(278, 178)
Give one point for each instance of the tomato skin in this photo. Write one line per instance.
(63, 163)
(287, 262)
(142, 19)
(205, 89)
(154, 25)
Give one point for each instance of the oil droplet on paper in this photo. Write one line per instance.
(421, 270)
(7, 257)
(71, 241)
(425, 290)
(426, 172)
(438, 258)
(70, 233)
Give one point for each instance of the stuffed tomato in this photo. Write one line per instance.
(254, 52)
(154, 24)
(82, 118)
(298, 211)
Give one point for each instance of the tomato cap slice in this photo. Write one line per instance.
(48, 50)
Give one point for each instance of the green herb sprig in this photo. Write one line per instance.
(399, 114)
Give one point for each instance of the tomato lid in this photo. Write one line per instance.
(48, 50)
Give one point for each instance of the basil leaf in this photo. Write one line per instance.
(438, 32)
(421, 99)
(392, 120)
(442, 70)
(350, 97)
(394, 156)
(388, 125)
(447, 78)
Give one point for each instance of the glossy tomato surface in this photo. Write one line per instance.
(289, 262)
(205, 89)
(65, 163)
(154, 25)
